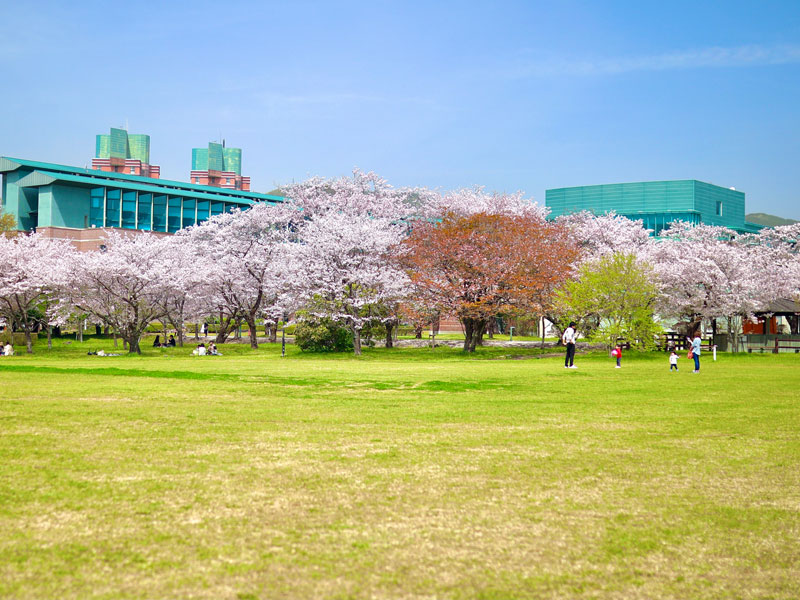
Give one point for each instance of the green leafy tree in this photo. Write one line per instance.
(618, 293)
(8, 224)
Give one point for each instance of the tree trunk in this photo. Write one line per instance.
(225, 325)
(541, 324)
(28, 340)
(480, 330)
(273, 333)
(477, 334)
(80, 331)
(49, 337)
(133, 345)
(468, 324)
(389, 338)
(251, 324)
(356, 340)
(418, 331)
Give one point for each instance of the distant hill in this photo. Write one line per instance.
(768, 220)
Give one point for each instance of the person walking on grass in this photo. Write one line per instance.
(569, 338)
(673, 361)
(695, 351)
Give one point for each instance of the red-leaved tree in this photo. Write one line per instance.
(479, 265)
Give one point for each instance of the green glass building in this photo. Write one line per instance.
(217, 158)
(656, 203)
(121, 144)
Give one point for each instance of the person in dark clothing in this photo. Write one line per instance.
(569, 338)
(171, 341)
(157, 342)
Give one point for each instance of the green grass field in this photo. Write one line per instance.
(410, 473)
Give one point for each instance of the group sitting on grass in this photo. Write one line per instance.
(201, 350)
(7, 350)
(168, 344)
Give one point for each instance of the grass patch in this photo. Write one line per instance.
(402, 473)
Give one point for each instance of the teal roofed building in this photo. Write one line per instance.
(656, 203)
(74, 203)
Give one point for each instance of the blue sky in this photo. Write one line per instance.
(508, 95)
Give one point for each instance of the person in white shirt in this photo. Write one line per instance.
(569, 338)
(8, 350)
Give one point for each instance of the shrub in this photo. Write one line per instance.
(322, 335)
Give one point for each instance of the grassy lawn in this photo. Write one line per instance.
(406, 473)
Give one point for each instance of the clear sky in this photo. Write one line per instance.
(508, 95)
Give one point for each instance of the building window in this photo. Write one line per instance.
(133, 170)
(174, 214)
(188, 212)
(202, 210)
(228, 180)
(159, 213)
(719, 208)
(112, 208)
(144, 211)
(129, 210)
(97, 208)
(197, 180)
(217, 208)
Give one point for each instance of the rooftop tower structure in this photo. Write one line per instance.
(219, 166)
(123, 152)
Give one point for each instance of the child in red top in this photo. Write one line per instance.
(617, 353)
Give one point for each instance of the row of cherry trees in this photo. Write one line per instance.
(355, 249)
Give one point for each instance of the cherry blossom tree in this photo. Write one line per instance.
(362, 194)
(711, 272)
(344, 261)
(184, 297)
(783, 244)
(31, 269)
(123, 286)
(351, 227)
(470, 201)
(248, 258)
(601, 235)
